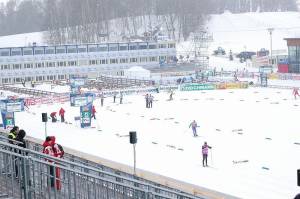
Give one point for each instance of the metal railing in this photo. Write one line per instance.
(28, 174)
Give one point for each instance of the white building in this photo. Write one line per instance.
(137, 72)
(47, 63)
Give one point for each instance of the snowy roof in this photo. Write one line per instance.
(137, 69)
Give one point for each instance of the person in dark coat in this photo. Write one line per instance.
(297, 196)
(13, 134)
(21, 143)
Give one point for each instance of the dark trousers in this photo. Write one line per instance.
(102, 100)
(52, 180)
(204, 160)
(62, 118)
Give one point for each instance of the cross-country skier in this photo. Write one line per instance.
(205, 148)
(147, 100)
(296, 92)
(194, 128)
(150, 101)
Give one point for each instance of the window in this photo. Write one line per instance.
(143, 59)
(92, 62)
(38, 51)
(71, 49)
(16, 52)
(113, 47)
(28, 79)
(39, 78)
(4, 52)
(50, 64)
(143, 46)
(123, 47)
(5, 67)
(123, 60)
(153, 59)
(27, 51)
(72, 63)
(103, 48)
(61, 77)
(82, 49)
(18, 79)
(133, 60)
(28, 65)
(51, 77)
(102, 61)
(92, 48)
(17, 66)
(61, 63)
(39, 65)
(5, 80)
(132, 46)
(172, 45)
(162, 45)
(152, 46)
(50, 50)
(60, 50)
(113, 61)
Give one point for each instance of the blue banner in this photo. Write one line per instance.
(81, 99)
(86, 115)
(76, 83)
(12, 105)
(8, 119)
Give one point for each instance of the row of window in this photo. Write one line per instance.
(37, 78)
(82, 48)
(80, 63)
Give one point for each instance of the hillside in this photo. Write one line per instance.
(231, 31)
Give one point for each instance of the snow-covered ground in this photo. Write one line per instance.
(235, 123)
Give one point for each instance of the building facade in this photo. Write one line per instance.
(48, 63)
(293, 55)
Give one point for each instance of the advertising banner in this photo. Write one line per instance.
(12, 105)
(85, 115)
(81, 99)
(8, 119)
(197, 87)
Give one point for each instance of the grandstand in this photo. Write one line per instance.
(84, 176)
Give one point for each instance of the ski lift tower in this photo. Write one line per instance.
(201, 41)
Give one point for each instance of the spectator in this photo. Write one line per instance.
(52, 149)
(62, 114)
(102, 99)
(21, 143)
(13, 134)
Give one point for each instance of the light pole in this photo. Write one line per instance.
(271, 54)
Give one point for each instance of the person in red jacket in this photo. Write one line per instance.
(296, 92)
(93, 112)
(53, 116)
(52, 149)
(62, 114)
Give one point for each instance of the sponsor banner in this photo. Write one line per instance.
(12, 105)
(197, 87)
(81, 99)
(8, 119)
(86, 115)
(273, 76)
